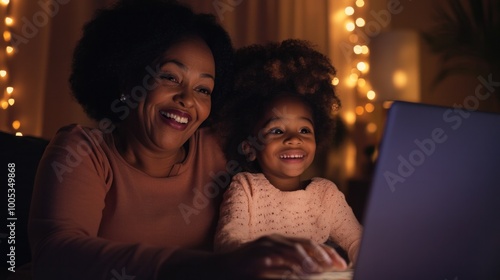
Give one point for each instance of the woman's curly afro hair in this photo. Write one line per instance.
(119, 44)
(263, 72)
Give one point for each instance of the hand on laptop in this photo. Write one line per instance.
(279, 255)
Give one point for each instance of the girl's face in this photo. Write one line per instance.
(289, 144)
(180, 100)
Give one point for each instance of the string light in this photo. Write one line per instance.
(369, 107)
(350, 26)
(360, 22)
(371, 127)
(7, 92)
(359, 110)
(361, 82)
(365, 50)
(9, 21)
(349, 11)
(370, 95)
(335, 81)
(360, 67)
(7, 36)
(360, 3)
(358, 49)
(16, 124)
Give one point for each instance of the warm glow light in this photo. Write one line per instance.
(11, 101)
(359, 110)
(357, 49)
(370, 95)
(367, 68)
(349, 118)
(350, 26)
(9, 21)
(360, 3)
(7, 36)
(371, 128)
(5, 2)
(335, 81)
(369, 107)
(19, 134)
(349, 11)
(9, 49)
(361, 82)
(354, 77)
(360, 22)
(361, 66)
(3, 73)
(399, 79)
(5, 105)
(365, 50)
(9, 90)
(16, 124)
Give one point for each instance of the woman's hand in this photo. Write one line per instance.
(278, 255)
(274, 255)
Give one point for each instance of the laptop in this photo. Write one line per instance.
(434, 206)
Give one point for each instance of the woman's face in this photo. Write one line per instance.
(180, 100)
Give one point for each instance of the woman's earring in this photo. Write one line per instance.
(123, 98)
(249, 151)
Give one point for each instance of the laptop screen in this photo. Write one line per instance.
(434, 205)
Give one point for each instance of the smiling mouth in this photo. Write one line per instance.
(291, 156)
(177, 118)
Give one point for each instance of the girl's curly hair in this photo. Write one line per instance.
(262, 72)
(119, 44)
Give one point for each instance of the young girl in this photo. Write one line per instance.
(281, 111)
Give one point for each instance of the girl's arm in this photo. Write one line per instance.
(346, 230)
(234, 222)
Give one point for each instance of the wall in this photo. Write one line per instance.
(419, 16)
(39, 69)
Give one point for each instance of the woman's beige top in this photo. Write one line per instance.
(94, 216)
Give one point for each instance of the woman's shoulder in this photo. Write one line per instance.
(82, 139)
(206, 143)
(207, 135)
(77, 131)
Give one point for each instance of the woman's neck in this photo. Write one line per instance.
(154, 162)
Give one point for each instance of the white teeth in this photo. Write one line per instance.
(291, 156)
(176, 118)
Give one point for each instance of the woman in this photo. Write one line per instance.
(138, 198)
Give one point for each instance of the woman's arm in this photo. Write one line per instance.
(69, 196)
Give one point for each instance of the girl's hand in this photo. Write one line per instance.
(273, 255)
(278, 255)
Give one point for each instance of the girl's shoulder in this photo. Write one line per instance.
(250, 179)
(324, 185)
